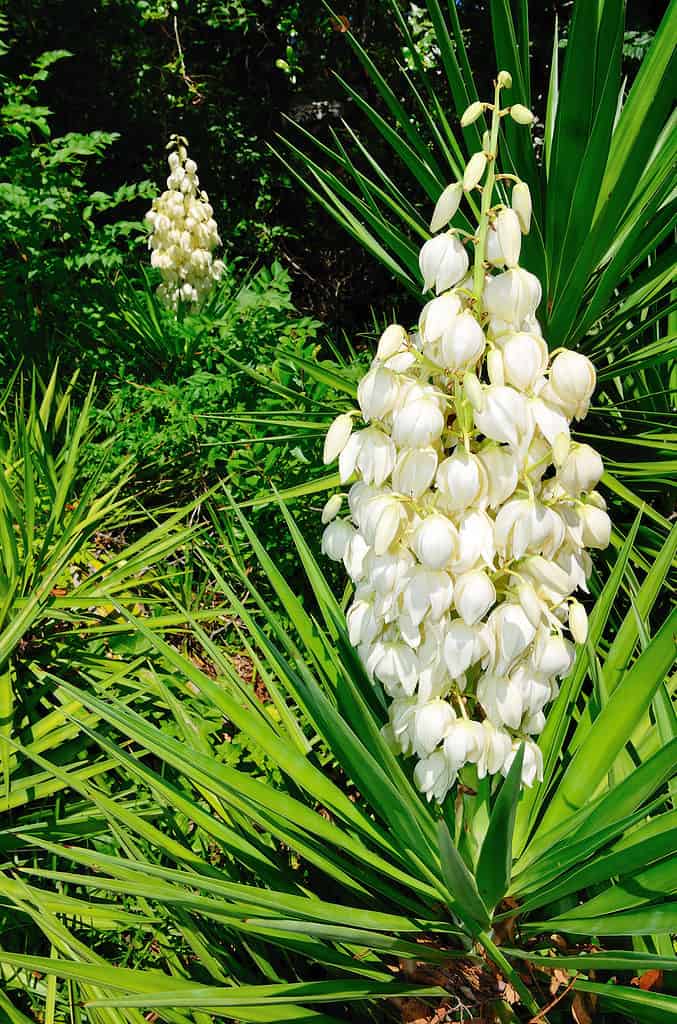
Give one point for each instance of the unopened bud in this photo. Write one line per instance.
(486, 142)
(474, 111)
(474, 171)
(578, 622)
(446, 206)
(521, 114)
(509, 236)
(392, 341)
(495, 368)
(332, 508)
(473, 390)
(521, 204)
(505, 79)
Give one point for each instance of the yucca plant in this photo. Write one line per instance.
(336, 891)
(63, 570)
(603, 207)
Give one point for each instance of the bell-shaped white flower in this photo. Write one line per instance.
(497, 745)
(505, 417)
(372, 452)
(463, 743)
(581, 470)
(525, 525)
(494, 253)
(443, 262)
(377, 392)
(431, 723)
(335, 539)
(463, 647)
(552, 655)
(474, 594)
(552, 423)
(434, 776)
(427, 591)
(402, 713)
(337, 437)
(382, 520)
(501, 473)
(435, 541)
(354, 556)
(420, 422)
(596, 526)
(578, 622)
(525, 358)
(393, 340)
(507, 635)
(438, 316)
(513, 295)
(532, 765)
(502, 700)
(363, 626)
(389, 572)
(475, 542)
(414, 471)
(573, 380)
(396, 666)
(460, 479)
(462, 343)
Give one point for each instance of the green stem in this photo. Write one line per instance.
(487, 193)
(511, 975)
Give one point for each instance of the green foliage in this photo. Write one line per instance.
(61, 241)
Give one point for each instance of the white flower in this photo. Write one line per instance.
(525, 358)
(402, 713)
(337, 437)
(497, 745)
(435, 541)
(505, 416)
(463, 342)
(507, 635)
(377, 392)
(463, 743)
(335, 539)
(362, 624)
(474, 171)
(443, 262)
(427, 591)
(596, 526)
(573, 379)
(460, 479)
(434, 776)
(381, 520)
(414, 471)
(475, 542)
(581, 470)
(532, 766)
(431, 722)
(578, 622)
(502, 700)
(474, 594)
(523, 524)
(501, 473)
(420, 422)
(553, 655)
(513, 295)
(438, 316)
(370, 451)
(355, 553)
(463, 647)
(393, 340)
(395, 665)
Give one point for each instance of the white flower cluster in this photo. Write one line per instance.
(184, 234)
(471, 508)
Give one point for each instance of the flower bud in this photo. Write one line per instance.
(392, 341)
(596, 526)
(521, 204)
(578, 622)
(521, 114)
(495, 368)
(471, 113)
(473, 391)
(474, 595)
(474, 171)
(332, 508)
(446, 206)
(337, 437)
(509, 236)
(505, 79)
